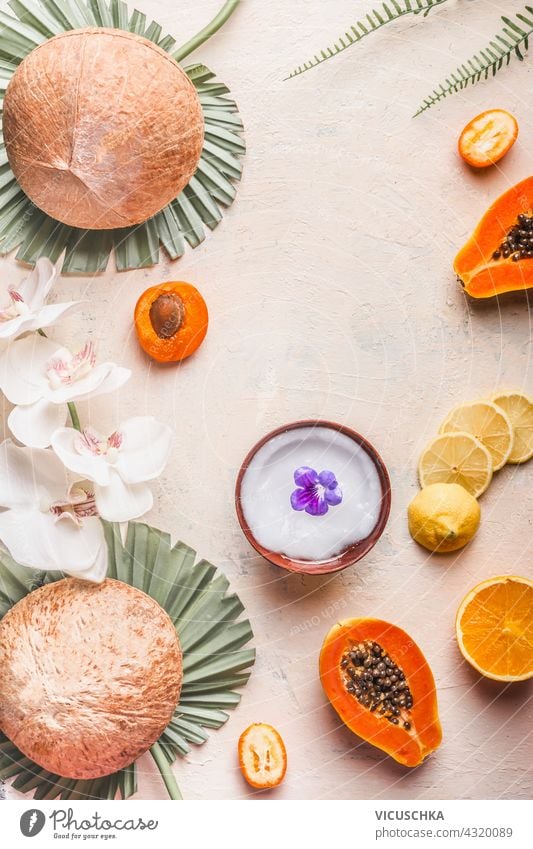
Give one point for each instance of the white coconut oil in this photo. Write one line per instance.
(269, 481)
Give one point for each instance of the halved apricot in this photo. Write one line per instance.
(488, 137)
(171, 321)
(262, 756)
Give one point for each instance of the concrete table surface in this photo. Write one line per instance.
(331, 295)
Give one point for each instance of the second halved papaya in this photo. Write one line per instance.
(498, 257)
(380, 684)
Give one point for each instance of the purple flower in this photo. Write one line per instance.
(316, 493)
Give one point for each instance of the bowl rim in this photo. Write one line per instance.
(352, 553)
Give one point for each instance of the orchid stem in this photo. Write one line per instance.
(218, 21)
(74, 418)
(166, 772)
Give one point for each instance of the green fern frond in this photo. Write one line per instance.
(388, 12)
(512, 40)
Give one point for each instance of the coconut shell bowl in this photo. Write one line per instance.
(299, 512)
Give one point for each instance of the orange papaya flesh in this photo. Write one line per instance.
(481, 274)
(403, 722)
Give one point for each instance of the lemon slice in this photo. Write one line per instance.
(488, 423)
(456, 458)
(494, 628)
(519, 410)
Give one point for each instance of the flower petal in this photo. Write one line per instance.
(300, 498)
(95, 573)
(103, 378)
(333, 496)
(29, 475)
(144, 451)
(14, 327)
(317, 505)
(36, 286)
(53, 312)
(34, 424)
(327, 479)
(93, 536)
(94, 467)
(23, 369)
(120, 502)
(38, 540)
(305, 476)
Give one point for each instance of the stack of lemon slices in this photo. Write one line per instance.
(474, 441)
(478, 439)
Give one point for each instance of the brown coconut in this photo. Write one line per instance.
(102, 128)
(90, 676)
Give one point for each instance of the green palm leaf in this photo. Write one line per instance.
(376, 19)
(213, 640)
(185, 220)
(512, 41)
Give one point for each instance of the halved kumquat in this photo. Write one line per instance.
(262, 756)
(488, 137)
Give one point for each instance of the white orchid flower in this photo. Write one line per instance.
(48, 524)
(27, 309)
(41, 377)
(118, 465)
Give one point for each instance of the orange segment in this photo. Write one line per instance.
(262, 756)
(488, 137)
(494, 628)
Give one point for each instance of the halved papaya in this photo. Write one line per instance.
(498, 257)
(380, 684)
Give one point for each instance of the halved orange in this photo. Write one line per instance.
(494, 628)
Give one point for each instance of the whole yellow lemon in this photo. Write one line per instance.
(443, 517)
